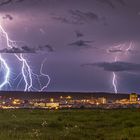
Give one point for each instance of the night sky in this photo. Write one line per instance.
(83, 42)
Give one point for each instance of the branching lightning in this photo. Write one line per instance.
(6, 68)
(119, 50)
(27, 74)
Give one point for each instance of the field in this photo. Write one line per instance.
(70, 124)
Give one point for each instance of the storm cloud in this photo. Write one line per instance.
(115, 66)
(8, 16)
(111, 3)
(79, 34)
(5, 2)
(70, 26)
(83, 16)
(81, 43)
(77, 17)
(28, 49)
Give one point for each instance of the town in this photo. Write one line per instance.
(72, 101)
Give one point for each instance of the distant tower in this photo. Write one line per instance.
(133, 98)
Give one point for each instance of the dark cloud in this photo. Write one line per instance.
(77, 17)
(79, 34)
(116, 66)
(49, 48)
(111, 3)
(83, 16)
(66, 20)
(27, 49)
(107, 2)
(131, 51)
(122, 2)
(81, 43)
(62, 19)
(5, 2)
(24, 49)
(134, 51)
(115, 51)
(8, 17)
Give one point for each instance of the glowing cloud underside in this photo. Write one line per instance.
(27, 75)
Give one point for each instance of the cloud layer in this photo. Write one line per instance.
(115, 66)
(27, 49)
(77, 17)
(5, 2)
(111, 3)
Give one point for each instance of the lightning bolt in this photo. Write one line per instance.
(6, 68)
(26, 71)
(125, 51)
(130, 47)
(114, 80)
(42, 88)
(45, 75)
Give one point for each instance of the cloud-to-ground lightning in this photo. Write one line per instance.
(45, 75)
(121, 49)
(26, 71)
(6, 69)
(114, 80)
(42, 87)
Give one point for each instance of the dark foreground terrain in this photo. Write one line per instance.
(70, 124)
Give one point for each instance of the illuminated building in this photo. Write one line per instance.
(133, 98)
(61, 97)
(68, 97)
(17, 102)
(51, 100)
(123, 101)
(52, 105)
(102, 100)
(39, 104)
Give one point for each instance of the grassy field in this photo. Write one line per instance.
(70, 124)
